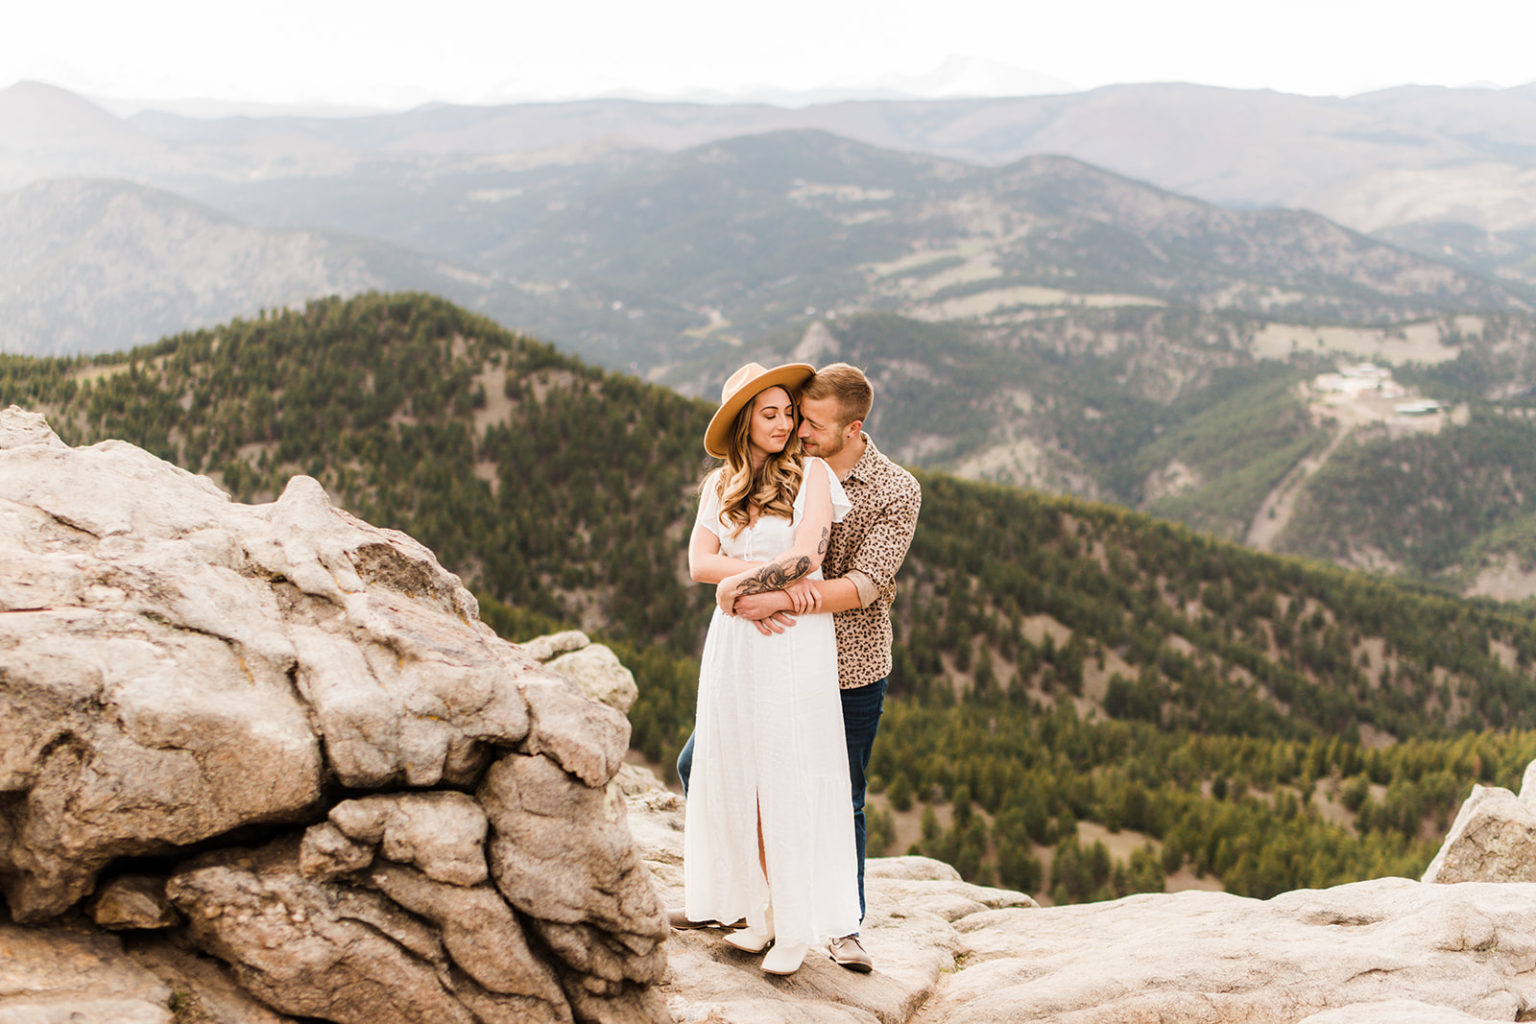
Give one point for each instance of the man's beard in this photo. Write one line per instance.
(826, 451)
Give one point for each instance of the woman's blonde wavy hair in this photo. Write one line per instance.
(772, 489)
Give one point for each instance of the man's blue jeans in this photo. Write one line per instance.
(862, 707)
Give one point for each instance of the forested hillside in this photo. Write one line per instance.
(1188, 415)
(1071, 679)
(1095, 403)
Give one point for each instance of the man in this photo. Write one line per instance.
(865, 552)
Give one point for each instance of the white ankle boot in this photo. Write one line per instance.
(784, 958)
(750, 939)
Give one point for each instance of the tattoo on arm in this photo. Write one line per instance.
(821, 548)
(776, 576)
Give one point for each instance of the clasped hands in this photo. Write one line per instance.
(773, 611)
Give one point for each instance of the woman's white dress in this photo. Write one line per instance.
(769, 735)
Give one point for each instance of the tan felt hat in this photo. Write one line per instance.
(743, 386)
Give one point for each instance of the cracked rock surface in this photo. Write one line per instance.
(1388, 951)
(280, 736)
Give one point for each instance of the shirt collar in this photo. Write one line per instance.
(864, 469)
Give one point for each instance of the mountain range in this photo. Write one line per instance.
(1104, 335)
(1445, 173)
(1374, 162)
(642, 258)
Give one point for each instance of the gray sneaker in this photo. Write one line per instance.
(849, 952)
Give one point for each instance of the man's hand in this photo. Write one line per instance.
(778, 622)
(803, 597)
(768, 612)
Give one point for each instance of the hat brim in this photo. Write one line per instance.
(790, 376)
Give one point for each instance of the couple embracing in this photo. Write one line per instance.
(802, 530)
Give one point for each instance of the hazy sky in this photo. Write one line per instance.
(391, 53)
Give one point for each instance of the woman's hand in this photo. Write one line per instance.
(725, 595)
(803, 597)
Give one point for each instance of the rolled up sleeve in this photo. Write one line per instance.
(863, 586)
(879, 557)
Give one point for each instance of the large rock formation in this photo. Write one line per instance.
(284, 736)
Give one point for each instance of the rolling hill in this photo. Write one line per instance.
(642, 258)
(646, 259)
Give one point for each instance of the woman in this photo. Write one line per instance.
(768, 834)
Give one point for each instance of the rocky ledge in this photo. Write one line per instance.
(1388, 951)
(263, 763)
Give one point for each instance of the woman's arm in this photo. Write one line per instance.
(705, 562)
(804, 556)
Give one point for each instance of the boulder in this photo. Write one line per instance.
(599, 674)
(1493, 838)
(145, 696)
(1212, 957)
(543, 648)
(391, 945)
(312, 949)
(586, 888)
(401, 817)
(912, 868)
(1394, 1011)
(19, 428)
(441, 833)
(594, 668)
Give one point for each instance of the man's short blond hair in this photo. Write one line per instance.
(845, 383)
